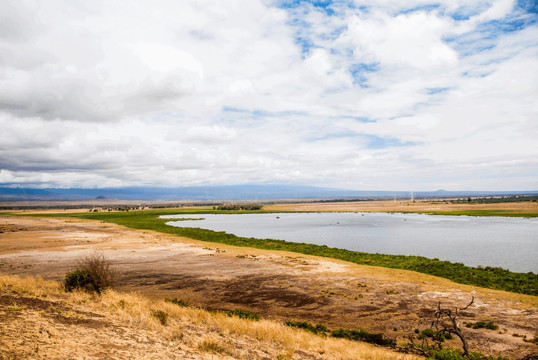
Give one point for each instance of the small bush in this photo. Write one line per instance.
(447, 354)
(362, 335)
(92, 273)
(160, 315)
(350, 334)
(242, 314)
(483, 325)
(177, 302)
(318, 329)
(210, 346)
(435, 335)
(457, 354)
(78, 279)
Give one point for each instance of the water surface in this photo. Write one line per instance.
(511, 243)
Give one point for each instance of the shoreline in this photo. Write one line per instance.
(495, 278)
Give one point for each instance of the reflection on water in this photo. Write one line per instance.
(511, 243)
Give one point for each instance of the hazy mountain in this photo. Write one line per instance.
(233, 192)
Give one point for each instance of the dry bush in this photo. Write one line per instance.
(93, 273)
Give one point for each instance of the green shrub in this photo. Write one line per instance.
(78, 279)
(160, 315)
(483, 325)
(457, 354)
(447, 354)
(177, 302)
(350, 334)
(362, 335)
(242, 314)
(318, 329)
(435, 335)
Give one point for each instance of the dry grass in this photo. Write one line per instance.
(526, 207)
(195, 332)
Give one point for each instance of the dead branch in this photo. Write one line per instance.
(442, 314)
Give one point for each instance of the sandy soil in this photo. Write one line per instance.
(281, 286)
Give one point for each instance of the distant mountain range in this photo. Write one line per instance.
(224, 193)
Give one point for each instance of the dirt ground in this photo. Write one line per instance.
(524, 207)
(276, 285)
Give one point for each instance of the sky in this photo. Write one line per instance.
(366, 95)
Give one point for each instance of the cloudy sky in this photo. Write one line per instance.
(368, 95)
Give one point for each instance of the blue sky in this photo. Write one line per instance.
(368, 95)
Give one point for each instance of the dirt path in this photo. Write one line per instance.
(282, 286)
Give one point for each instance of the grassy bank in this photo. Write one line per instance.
(489, 277)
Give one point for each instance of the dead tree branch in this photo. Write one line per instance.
(446, 320)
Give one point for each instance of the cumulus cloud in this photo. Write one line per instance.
(357, 94)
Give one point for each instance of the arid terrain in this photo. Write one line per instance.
(276, 285)
(524, 207)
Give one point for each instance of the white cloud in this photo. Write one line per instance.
(401, 95)
(411, 40)
(162, 58)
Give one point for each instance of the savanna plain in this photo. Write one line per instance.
(180, 298)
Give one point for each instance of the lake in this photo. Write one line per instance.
(510, 243)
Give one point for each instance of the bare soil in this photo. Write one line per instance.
(277, 285)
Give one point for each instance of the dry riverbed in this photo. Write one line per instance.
(276, 285)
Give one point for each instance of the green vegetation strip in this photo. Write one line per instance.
(482, 325)
(350, 334)
(489, 277)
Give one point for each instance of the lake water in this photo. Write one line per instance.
(511, 243)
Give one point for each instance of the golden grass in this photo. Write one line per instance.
(203, 332)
